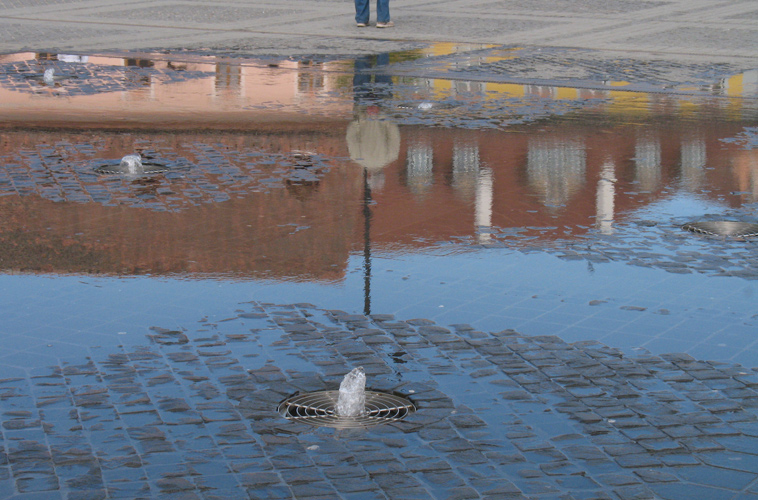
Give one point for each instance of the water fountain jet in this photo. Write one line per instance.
(132, 165)
(49, 76)
(352, 394)
(352, 406)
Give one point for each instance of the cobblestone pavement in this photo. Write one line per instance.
(680, 31)
(191, 413)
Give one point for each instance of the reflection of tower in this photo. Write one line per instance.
(418, 166)
(465, 169)
(483, 205)
(605, 198)
(555, 168)
(693, 155)
(647, 162)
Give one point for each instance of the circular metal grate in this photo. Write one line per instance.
(317, 409)
(734, 229)
(116, 169)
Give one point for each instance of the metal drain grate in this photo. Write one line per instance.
(117, 169)
(317, 409)
(735, 229)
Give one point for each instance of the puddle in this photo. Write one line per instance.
(511, 256)
(355, 186)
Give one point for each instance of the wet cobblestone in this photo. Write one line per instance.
(192, 414)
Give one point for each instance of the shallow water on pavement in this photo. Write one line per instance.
(549, 210)
(152, 322)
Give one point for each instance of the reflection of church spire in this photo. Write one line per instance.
(472, 181)
(483, 206)
(605, 198)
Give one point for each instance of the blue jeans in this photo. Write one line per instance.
(362, 11)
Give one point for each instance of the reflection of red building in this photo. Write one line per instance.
(242, 209)
(445, 184)
(287, 229)
(550, 178)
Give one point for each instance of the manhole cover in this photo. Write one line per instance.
(116, 168)
(317, 409)
(734, 229)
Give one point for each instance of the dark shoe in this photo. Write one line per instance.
(388, 24)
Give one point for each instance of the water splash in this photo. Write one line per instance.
(49, 76)
(352, 396)
(132, 164)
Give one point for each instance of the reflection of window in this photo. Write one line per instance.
(556, 168)
(310, 82)
(228, 77)
(465, 87)
(465, 169)
(418, 167)
(693, 163)
(543, 91)
(647, 162)
(139, 63)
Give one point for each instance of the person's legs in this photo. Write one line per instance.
(382, 11)
(361, 11)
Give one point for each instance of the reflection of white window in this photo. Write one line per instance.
(465, 168)
(647, 162)
(693, 163)
(606, 199)
(418, 166)
(556, 168)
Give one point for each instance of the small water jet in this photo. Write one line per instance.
(352, 395)
(49, 76)
(352, 406)
(132, 165)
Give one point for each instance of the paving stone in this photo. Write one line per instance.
(565, 447)
(638, 492)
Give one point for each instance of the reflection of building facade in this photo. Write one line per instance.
(566, 179)
(127, 92)
(240, 209)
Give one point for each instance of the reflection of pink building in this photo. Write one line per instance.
(226, 95)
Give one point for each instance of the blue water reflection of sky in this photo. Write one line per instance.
(491, 289)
